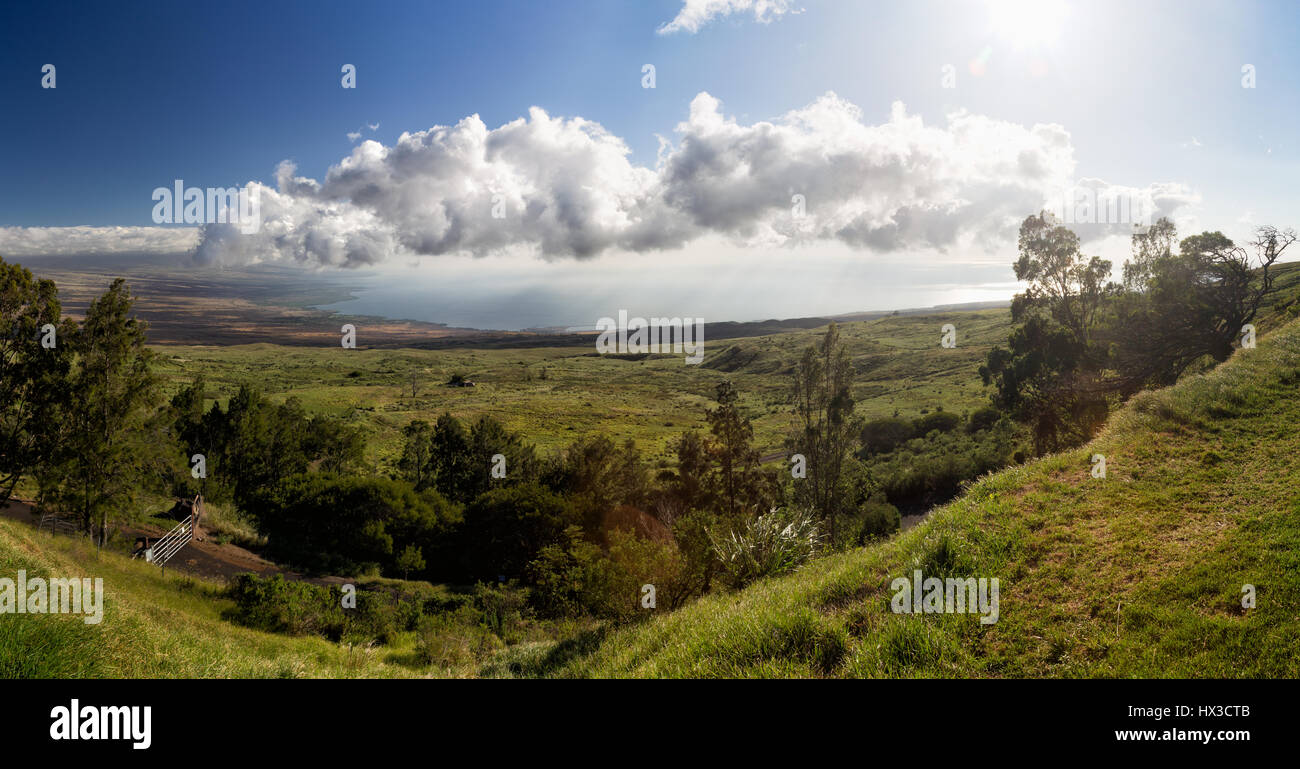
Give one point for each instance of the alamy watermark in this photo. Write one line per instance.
(214, 205)
(1084, 204)
(39, 595)
(106, 722)
(931, 595)
(658, 335)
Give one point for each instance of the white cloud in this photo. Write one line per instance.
(354, 135)
(696, 13)
(560, 187)
(48, 241)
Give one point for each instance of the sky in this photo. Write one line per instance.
(792, 157)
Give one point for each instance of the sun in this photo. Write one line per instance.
(1028, 23)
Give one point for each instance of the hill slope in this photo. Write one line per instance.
(152, 627)
(1140, 573)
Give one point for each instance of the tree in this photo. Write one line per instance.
(1150, 248)
(598, 475)
(1042, 379)
(261, 443)
(826, 427)
(409, 560)
(453, 461)
(109, 438)
(1049, 373)
(327, 522)
(33, 376)
(334, 446)
(488, 438)
(686, 503)
(688, 487)
(416, 462)
(1064, 282)
(741, 488)
(1194, 303)
(506, 528)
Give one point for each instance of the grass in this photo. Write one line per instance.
(154, 627)
(1138, 574)
(224, 523)
(555, 395)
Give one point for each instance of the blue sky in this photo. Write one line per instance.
(1148, 92)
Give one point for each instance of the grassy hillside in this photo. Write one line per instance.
(153, 627)
(1136, 574)
(554, 395)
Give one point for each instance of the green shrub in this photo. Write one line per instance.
(880, 436)
(278, 605)
(568, 576)
(330, 523)
(943, 421)
(773, 543)
(982, 419)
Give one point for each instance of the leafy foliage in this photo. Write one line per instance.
(773, 543)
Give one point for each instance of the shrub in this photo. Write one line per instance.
(875, 518)
(278, 605)
(982, 419)
(501, 609)
(881, 436)
(445, 642)
(633, 562)
(325, 522)
(568, 576)
(943, 421)
(770, 544)
(507, 529)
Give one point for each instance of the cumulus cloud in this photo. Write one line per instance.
(696, 13)
(565, 187)
(51, 241)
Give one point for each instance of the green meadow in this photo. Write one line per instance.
(554, 395)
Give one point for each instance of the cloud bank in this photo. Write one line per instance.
(53, 241)
(565, 187)
(558, 187)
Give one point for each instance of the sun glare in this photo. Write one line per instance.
(1028, 23)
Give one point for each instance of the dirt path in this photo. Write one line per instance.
(201, 559)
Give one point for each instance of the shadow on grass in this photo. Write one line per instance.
(521, 664)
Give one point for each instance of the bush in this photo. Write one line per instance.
(325, 523)
(880, 436)
(568, 576)
(943, 421)
(506, 529)
(501, 609)
(770, 544)
(635, 562)
(982, 419)
(278, 605)
(447, 642)
(874, 519)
